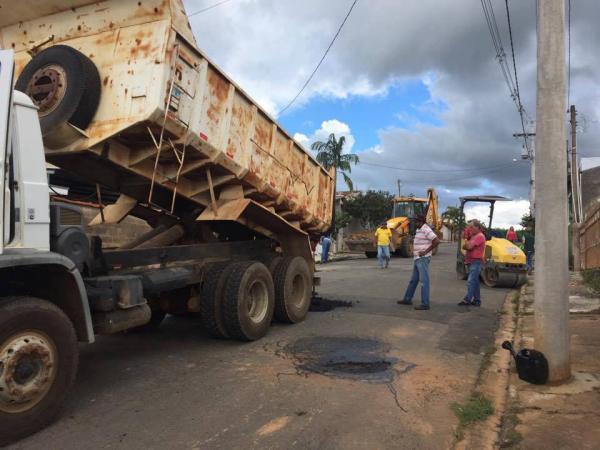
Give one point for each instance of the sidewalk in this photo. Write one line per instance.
(565, 416)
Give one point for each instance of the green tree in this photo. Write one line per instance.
(370, 208)
(452, 217)
(330, 154)
(527, 221)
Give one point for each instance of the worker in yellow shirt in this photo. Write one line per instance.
(383, 235)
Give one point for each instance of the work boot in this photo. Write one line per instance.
(404, 302)
(422, 308)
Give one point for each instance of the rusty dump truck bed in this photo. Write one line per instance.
(170, 124)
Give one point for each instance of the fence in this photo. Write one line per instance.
(589, 239)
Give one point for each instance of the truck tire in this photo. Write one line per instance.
(293, 289)
(273, 263)
(406, 247)
(64, 84)
(249, 301)
(211, 303)
(371, 255)
(39, 357)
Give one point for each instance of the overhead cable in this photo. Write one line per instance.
(518, 93)
(195, 13)
(321, 61)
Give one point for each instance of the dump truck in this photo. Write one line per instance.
(504, 263)
(117, 93)
(404, 210)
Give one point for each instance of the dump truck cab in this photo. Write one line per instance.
(505, 263)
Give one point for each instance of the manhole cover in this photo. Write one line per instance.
(345, 357)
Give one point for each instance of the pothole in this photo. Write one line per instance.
(320, 304)
(346, 357)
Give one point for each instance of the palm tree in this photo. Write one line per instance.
(329, 153)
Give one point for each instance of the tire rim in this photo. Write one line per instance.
(28, 366)
(298, 291)
(257, 301)
(47, 88)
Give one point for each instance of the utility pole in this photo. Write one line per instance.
(575, 191)
(552, 270)
(399, 188)
(530, 155)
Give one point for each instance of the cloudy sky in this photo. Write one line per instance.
(413, 85)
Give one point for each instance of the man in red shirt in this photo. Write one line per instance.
(474, 258)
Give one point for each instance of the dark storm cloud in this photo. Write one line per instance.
(271, 46)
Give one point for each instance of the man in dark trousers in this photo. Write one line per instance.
(529, 247)
(474, 258)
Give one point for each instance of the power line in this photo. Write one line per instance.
(472, 169)
(207, 8)
(520, 105)
(512, 85)
(321, 61)
(569, 62)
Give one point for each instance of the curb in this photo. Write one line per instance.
(493, 381)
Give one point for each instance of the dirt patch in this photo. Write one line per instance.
(273, 426)
(320, 304)
(346, 357)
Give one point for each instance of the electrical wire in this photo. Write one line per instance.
(520, 105)
(472, 169)
(511, 83)
(195, 13)
(569, 59)
(322, 59)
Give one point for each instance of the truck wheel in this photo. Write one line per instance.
(293, 289)
(38, 364)
(273, 263)
(371, 255)
(406, 247)
(211, 301)
(65, 86)
(249, 301)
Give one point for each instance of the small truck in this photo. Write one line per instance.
(116, 93)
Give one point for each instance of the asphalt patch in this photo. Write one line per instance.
(320, 304)
(346, 357)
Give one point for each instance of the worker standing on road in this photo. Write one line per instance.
(475, 250)
(529, 247)
(511, 235)
(424, 243)
(325, 244)
(383, 236)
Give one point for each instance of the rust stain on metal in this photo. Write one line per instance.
(150, 40)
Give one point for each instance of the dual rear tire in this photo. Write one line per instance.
(240, 300)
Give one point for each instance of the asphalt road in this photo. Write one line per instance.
(376, 375)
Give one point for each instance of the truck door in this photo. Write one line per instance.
(6, 207)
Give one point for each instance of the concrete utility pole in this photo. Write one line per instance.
(575, 191)
(551, 242)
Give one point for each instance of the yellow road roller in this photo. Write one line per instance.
(505, 263)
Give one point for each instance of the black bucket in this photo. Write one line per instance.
(532, 366)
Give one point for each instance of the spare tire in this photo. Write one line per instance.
(65, 86)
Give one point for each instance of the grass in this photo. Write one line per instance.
(510, 437)
(592, 280)
(476, 408)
